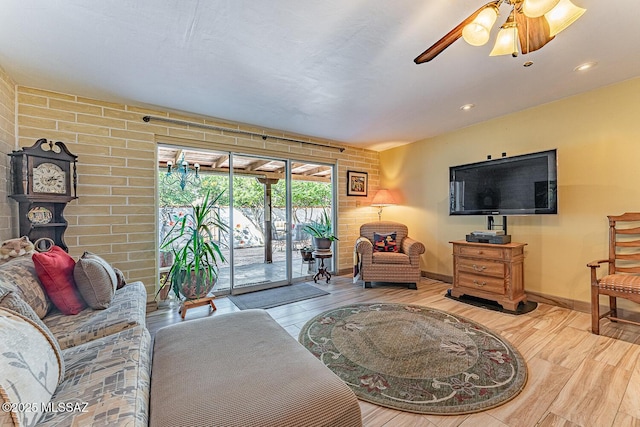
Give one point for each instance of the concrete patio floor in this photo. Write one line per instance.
(251, 270)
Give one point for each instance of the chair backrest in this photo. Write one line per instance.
(379, 227)
(624, 243)
(278, 230)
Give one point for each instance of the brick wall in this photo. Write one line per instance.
(8, 228)
(115, 215)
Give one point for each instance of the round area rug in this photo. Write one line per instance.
(415, 358)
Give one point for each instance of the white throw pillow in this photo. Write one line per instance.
(13, 302)
(29, 369)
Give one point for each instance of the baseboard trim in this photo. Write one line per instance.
(345, 271)
(436, 276)
(581, 306)
(152, 306)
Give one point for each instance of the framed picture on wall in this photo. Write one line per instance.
(357, 183)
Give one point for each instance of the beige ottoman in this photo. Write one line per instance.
(243, 369)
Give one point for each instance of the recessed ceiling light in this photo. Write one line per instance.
(586, 66)
(528, 64)
(467, 107)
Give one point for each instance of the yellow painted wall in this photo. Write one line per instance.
(597, 135)
(115, 214)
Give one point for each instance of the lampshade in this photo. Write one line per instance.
(563, 15)
(478, 31)
(507, 40)
(536, 8)
(383, 198)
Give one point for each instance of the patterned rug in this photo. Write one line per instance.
(415, 358)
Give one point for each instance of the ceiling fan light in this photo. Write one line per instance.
(477, 33)
(563, 15)
(536, 8)
(506, 42)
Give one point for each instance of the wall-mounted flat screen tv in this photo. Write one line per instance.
(518, 185)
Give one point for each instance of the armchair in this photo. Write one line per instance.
(384, 264)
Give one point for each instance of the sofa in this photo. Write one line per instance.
(94, 367)
(90, 368)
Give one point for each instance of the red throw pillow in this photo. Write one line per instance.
(385, 242)
(55, 271)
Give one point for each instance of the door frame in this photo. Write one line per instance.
(286, 157)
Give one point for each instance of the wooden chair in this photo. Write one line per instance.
(623, 279)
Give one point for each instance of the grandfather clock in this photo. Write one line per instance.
(44, 181)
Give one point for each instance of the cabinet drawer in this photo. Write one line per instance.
(480, 251)
(482, 267)
(487, 284)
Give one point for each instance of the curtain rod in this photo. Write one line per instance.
(264, 136)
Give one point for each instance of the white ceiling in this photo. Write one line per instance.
(335, 69)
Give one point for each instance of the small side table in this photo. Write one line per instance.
(186, 305)
(322, 270)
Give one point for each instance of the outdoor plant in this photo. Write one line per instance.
(195, 252)
(321, 229)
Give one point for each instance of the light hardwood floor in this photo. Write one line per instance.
(575, 378)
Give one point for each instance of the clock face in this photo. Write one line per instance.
(49, 178)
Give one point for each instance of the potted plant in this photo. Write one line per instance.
(165, 260)
(195, 252)
(163, 291)
(322, 232)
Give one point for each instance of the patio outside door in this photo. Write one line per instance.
(266, 203)
(260, 208)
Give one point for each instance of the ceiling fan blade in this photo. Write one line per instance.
(450, 37)
(532, 32)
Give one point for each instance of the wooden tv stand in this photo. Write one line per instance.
(489, 271)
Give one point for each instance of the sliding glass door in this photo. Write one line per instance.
(261, 242)
(183, 182)
(312, 195)
(265, 203)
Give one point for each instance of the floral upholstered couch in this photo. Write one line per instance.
(89, 368)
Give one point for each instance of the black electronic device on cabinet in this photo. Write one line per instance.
(44, 181)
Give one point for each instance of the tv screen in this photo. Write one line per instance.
(518, 185)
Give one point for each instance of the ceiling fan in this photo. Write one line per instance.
(531, 25)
